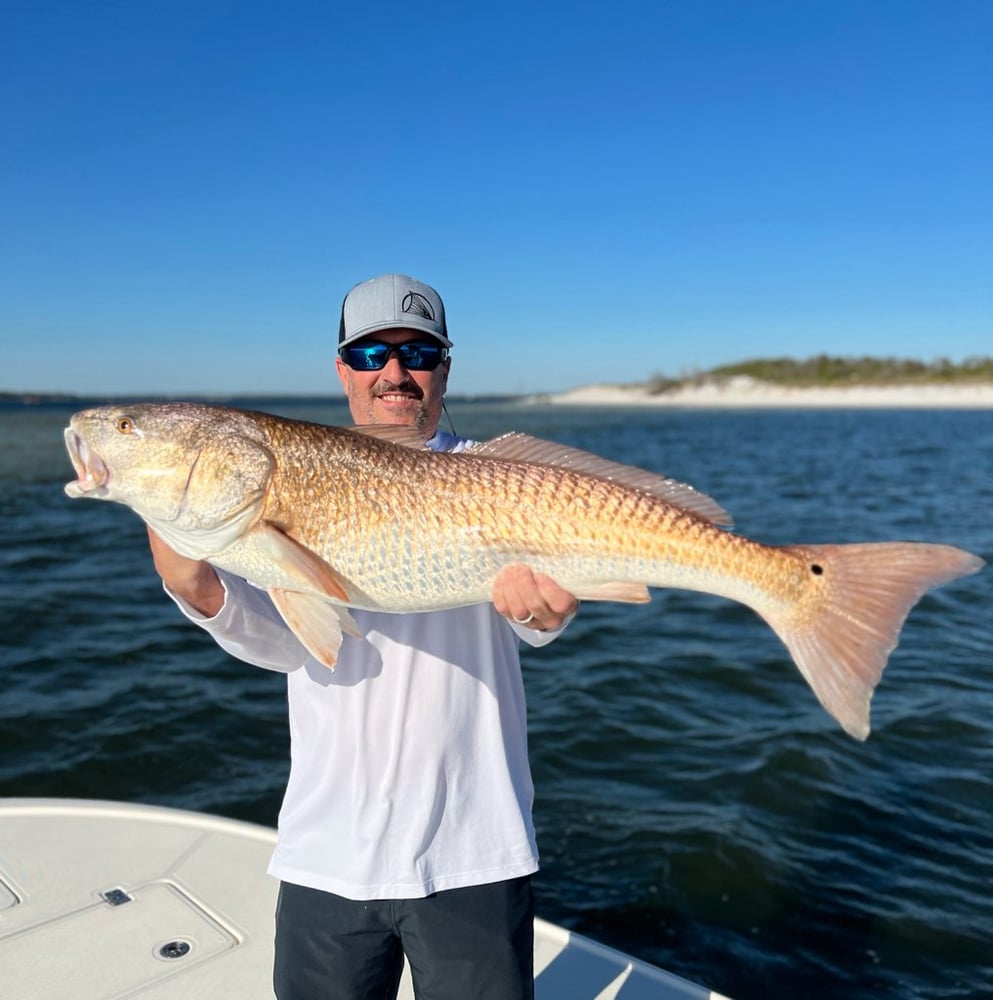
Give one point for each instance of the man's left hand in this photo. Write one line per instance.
(532, 599)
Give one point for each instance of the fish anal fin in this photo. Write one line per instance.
(842, 632)
(316, 622)
(616, 590)
(516, 447)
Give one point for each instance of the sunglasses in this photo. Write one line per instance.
(372, 355)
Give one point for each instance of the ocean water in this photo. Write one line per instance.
(694, 804)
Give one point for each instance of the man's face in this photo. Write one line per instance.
(395, 395)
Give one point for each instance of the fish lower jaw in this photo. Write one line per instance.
(93, 475)
(87, 487)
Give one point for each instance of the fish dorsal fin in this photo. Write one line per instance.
(406, 437)
(518, 447)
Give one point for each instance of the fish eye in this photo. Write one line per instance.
(125, 425)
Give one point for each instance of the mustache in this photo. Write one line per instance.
(407, 385)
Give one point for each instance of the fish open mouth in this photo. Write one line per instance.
(92, 473)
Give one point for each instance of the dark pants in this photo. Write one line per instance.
(475, 942)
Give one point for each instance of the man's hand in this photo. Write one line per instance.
(195, 582)
(532, 599)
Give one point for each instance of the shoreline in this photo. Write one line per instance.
(743, 392)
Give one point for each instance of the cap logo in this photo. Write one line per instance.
(414, 302)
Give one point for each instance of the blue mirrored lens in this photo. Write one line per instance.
(417, 355)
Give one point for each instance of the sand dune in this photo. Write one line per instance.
(744, 392)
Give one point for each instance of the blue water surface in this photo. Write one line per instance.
(694, 804)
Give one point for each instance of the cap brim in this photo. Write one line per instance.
(410, 324)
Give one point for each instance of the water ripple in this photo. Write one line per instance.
(694, 804)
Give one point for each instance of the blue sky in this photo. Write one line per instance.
(600, 192)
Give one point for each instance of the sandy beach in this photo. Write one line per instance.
(744, 392)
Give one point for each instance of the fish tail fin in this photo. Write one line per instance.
(843, 630)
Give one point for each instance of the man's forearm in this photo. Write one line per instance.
(195, 582)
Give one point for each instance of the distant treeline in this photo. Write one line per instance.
(824, 370)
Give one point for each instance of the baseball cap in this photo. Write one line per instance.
(390, 301)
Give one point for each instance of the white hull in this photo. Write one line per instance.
(194, 911)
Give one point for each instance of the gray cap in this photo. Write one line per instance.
(388, 302)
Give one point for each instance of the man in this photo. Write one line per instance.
(406, 825)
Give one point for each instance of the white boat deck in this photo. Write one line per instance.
(102, 900)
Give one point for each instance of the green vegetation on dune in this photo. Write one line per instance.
(826, 371)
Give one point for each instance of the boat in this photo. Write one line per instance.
(102, 900)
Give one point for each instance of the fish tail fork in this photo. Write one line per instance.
(842, 631)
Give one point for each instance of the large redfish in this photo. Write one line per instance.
(323, 517)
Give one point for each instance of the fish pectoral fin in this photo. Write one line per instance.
(311, 614)
(517, 447)
(313, 572)
(316, 622)
(627, 593)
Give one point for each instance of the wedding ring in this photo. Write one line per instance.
(523, 621)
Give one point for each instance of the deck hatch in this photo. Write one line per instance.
(113, 950)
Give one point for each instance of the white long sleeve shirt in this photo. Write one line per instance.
(409, 770)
